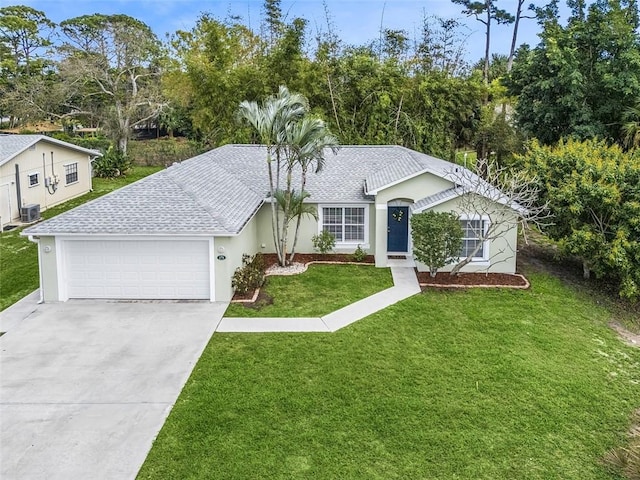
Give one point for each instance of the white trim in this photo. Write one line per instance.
(404, 179)
(124, 236)
(44, 138)
(438, 202)
(61, 269)
(352, 244)
(62, 243)
(486, 220)
(77, 172)
(212, 271)
(29, 175)
(401, 203)
(37, 242)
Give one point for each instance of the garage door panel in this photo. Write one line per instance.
(150, 269)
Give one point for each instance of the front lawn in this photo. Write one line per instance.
(19, 256)
(320, 290)
(478, 384)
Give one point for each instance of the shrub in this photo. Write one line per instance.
(359, 255)
(163, 151)
(251, 275)
(324, 241)
(625, 461)
(99, 142)
(437, 239)
(112, 164)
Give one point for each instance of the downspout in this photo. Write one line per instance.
(36, 241)
(44, 177)
(18, 192)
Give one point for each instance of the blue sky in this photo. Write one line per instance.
(356, 21)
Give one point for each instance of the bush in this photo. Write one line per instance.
(251, 275)
(625, 461)
(437, 239)
(112, 164)
(324, 242)
(100, 143)
(359, 255)
(163, 151)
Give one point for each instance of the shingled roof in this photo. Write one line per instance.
(218, 192)
(13, 145)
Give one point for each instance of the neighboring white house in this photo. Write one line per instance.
(181, 233)
(38, 172)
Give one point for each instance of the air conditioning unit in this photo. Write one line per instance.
(30, 213)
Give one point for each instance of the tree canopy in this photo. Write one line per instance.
(582, 76)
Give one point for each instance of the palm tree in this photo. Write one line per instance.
(309, 140)
(270, 121)
(631, 129)
(293, 140)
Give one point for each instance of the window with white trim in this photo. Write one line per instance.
(71, 173)
(348, 224)
(34, 179)
(472, 233)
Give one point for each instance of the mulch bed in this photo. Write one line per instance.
(441, 280)
(246, 297)
(272, 258)
(465, 280)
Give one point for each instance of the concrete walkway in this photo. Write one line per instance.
(405, 285)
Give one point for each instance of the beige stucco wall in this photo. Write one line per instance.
(411, 190)
(232, 248)
(502, 251)
(414, 189)
(309, 227)
(30, 161)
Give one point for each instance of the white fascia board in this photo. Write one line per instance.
(436, 203)
(404, 179)
(125, 236)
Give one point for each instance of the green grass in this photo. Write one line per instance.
(320, 290)
(478, 384)
(19, 256)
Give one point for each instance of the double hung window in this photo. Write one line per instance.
(473, 233)
(347, 224)
(71, 173)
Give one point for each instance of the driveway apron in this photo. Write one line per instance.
(85, 386)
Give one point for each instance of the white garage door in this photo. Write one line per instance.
(144, 269)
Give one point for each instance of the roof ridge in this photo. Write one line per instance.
(33, 139)
(189, 192)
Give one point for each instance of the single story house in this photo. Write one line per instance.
(181, 233)
(38, 172)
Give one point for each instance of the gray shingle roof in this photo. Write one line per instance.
(217, 192)
(436, 199)
(405, 164)
(12, 145)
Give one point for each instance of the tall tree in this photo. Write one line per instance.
(117, 59)
(25, 34)
(441, 46)
(292, 140)
(216, 64)
(582, 76)
(514, 35)
(486, 12)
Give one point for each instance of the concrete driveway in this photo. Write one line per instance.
(85, 386)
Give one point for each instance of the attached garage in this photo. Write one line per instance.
(136, 269)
